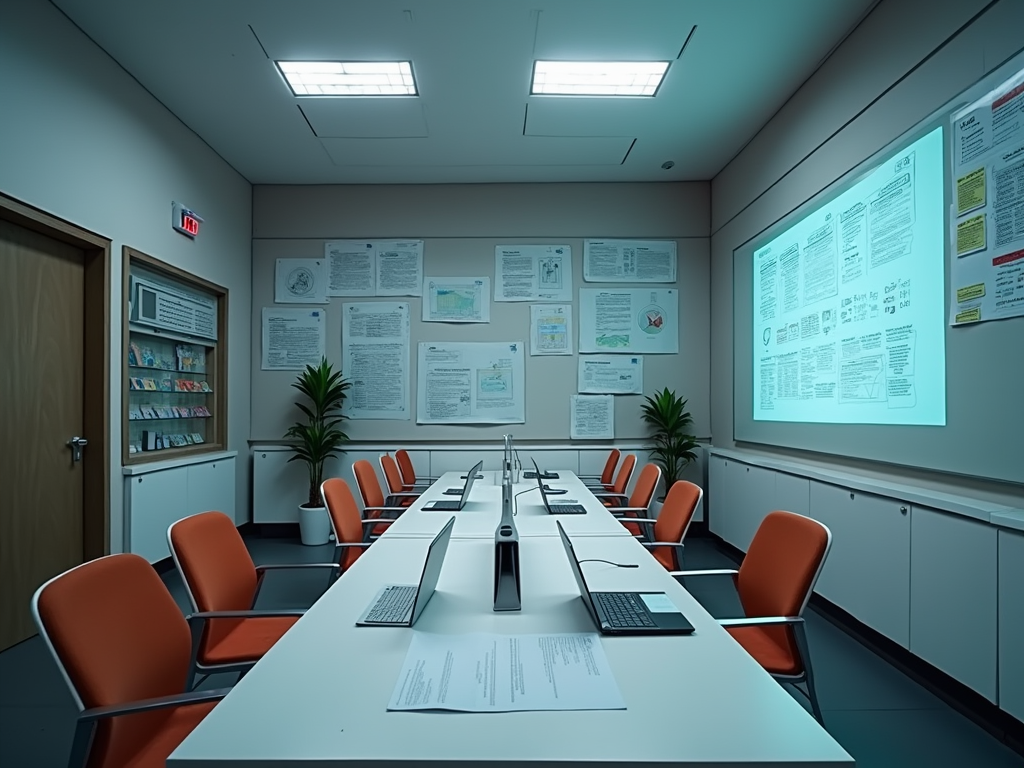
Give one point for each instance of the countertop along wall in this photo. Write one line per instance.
(878, 84)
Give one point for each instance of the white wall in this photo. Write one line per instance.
(906, 60)
(83, 141)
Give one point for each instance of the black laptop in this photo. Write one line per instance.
(455, 506)
(556, 509)
(627, 613)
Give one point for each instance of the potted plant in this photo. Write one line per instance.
(673, 446)
(317, 438)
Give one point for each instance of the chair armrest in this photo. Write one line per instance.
(148, 705)
(244, 614)
(401, 494)
(608, 495)
(653, 544)
(619, 511)
(755, 621)
(280, 566)
(384, 509)
(361, 544)
(712, 572)
(378, 521)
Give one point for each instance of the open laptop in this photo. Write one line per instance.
(556, 509)
(539, 473)
(455, 506)
(399, 605)
(627, 613)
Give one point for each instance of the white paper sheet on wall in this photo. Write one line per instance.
(632, 320)
(293, 338)
(375, 359)
(374, 267)
(300, 281)
(471, 383)
(532, 273)
(611, 374)
(629, 261)
(592, 417)
(551, 329)
(457, 300)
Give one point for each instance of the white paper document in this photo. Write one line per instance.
(375, 358)
(629, 261)
(471, 383)
(613, 374)
(532, 273)
(479, 672)
(592, 417)
(633, 320)
(457, 300)
(293, 338)
(300, 281)
(400, 268)
(551, 329)
(374, 267)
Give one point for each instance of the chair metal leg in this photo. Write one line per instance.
(805, 655)
(81, 744)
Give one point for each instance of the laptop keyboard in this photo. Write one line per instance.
(395, 605)
(623, 609)
(568, 509)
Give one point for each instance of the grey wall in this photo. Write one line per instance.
(81, 140)
(460, 225)
(878, 84)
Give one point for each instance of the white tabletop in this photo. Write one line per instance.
(479, 518)
(319, 697)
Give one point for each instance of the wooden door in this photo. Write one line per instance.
(42, 384)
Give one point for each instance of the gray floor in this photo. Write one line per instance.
(882, 717)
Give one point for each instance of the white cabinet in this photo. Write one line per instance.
(721, 499)
(741, 495)
(793, 493)
(211, 486)
(1011, 622)
(867, 572)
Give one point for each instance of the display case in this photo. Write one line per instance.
(175, 354)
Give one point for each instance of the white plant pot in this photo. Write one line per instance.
(314, 525)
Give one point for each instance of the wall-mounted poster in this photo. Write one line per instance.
(551, 329)
(375, 359)
(633, 320)
(593, 417)
(456, 300)
(300, 281)
(629, 261)
(374, 267)
(292, 338)
(532, 273)
(471, 383)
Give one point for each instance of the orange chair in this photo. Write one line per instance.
(774, 583)
(604, 480)
(409, 478)
(124, 649)
(617, 495)
(668, 530)
(638, 504)
(374, 504)
(398, 494)
(349, 527)
(222, 584)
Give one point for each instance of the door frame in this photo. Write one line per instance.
(96, 340)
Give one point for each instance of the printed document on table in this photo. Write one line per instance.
(551, 329)
(375, 358)
(986, 263)
(613, 374)
(592, 417)
(532, 273)
(293, 338)
(471, 383)
(481, 672)
(630, 320)
(300, 281)
(456, 300)
(629, 261)
(374, 267)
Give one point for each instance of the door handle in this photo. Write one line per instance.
(77, 444)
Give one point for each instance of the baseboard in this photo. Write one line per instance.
(968, 702)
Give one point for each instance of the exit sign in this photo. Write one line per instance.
(185, 220)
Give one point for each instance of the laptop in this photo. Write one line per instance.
(455, 506)
(627, 613)
(399, 605)
(556, 509)
(537, 472)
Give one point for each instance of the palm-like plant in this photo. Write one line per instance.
(673, 446)
(319, 437)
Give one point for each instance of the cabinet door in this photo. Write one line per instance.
(742, 496)
(867, 572)
(155, 500)
(720, 496)
(793, 493)
(278, 486)
(1011, 622)
(211, 486)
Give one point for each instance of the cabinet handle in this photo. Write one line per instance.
(140, 479)
(263, 455)
(851, 495)
(903, 510)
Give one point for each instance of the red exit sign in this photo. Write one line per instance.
(185, 220)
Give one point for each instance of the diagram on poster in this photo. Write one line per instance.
(375, 358)
(457, 300)
(630, 320)
(611, 374)
(300, 281)
(471, 383)
(532, 273)
(551, 329)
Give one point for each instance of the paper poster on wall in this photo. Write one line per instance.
(629, 261)
(592, 417)
(293, 338)
(457, 300)
(374, 267)
(300, 281)
(551, 329)
(375, 359)
(611, 374)
(987, 215)
(471, 383)
(629, 320)
(532, 273)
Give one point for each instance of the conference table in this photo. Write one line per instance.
(320, 696)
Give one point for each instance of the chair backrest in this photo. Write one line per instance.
(624, 474)
(218, 573)
(369, 486)
(681, 502)
(782, 564)
(646, 485)
(405, 466)
(345, 519)
(392, 475)
(117, 636)
(609, 466)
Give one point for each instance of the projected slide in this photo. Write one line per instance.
(848, 303)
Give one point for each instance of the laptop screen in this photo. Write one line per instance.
(574, 564)
(431, 569)
(470, 477)
(540, 485)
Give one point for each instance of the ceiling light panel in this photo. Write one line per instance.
(597, 78)
(349, 78)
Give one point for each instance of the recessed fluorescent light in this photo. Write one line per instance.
(598, 78)
(349, 78)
